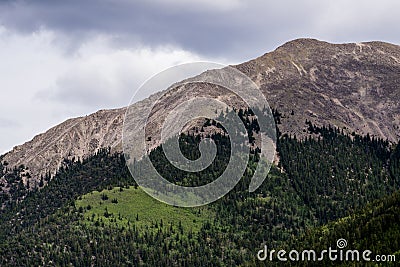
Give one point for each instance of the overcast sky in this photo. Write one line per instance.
(62, 59)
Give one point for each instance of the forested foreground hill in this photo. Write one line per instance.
(376, 227)
(91, 212)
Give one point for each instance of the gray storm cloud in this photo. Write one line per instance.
(234, 29)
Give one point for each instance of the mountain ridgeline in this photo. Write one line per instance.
(354, 87)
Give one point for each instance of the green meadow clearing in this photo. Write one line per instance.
(131, 207)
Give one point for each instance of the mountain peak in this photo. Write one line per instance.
(303, 43)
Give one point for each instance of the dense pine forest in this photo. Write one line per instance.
(91, 213)
(375, 227)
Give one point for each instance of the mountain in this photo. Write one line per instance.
(350, 86)
(353, 86)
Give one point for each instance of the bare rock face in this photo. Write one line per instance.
(351, 86)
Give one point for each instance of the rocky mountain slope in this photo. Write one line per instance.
(73, 139)
(352, 86)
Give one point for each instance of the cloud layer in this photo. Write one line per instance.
(236, 29)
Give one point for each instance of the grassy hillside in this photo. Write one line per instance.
(123, 207)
